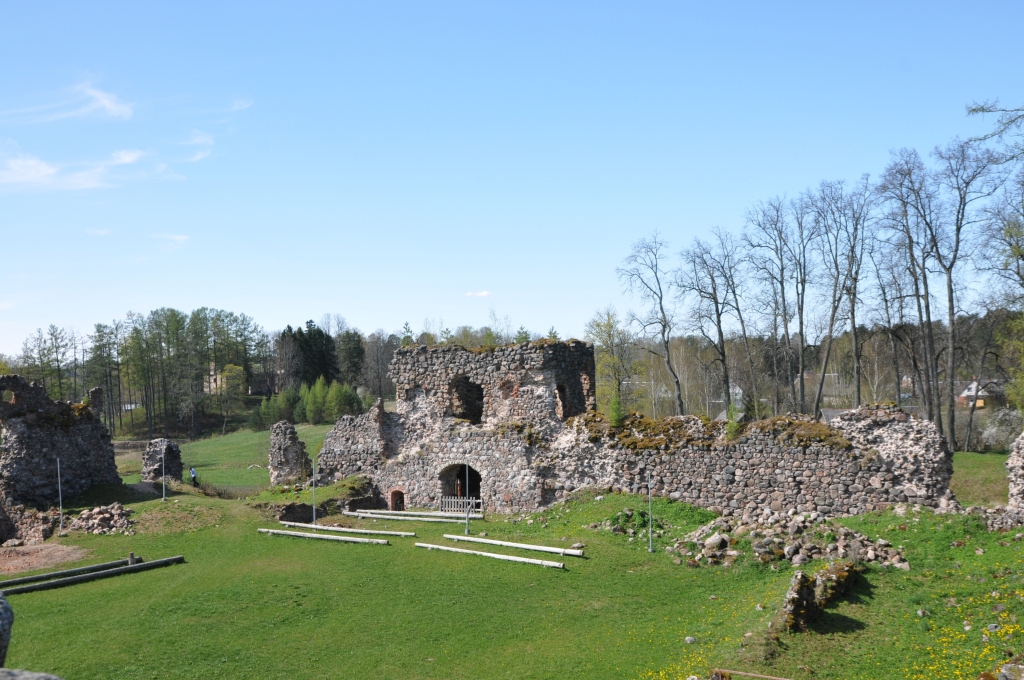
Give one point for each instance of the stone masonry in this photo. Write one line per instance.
(34, 432)
(1015, 468)
(522, 418)
(288, 462)
(153, 468)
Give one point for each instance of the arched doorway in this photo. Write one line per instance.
(460, 486)
(396, 500)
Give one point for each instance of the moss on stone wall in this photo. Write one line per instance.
(640, 433)
(801, 431)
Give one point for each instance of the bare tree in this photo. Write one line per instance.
(800, 253)
(947, 202)
(903, 181)
(732, 264)
(1009, 127)
(643, 272)
(768, 236)
(840, 217)
(702, 277)
(380, 348)
(1004, 253)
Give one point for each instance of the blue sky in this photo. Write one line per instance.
(396, 162)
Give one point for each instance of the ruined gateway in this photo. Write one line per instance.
(522, 418)
(34, 432)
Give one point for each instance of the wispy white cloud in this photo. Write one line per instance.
(172, 241)
(482, 293)
(81, 100)
(98, 232)
(28, 172)
(126, 157)
(241, 104)
(200, 138)
(98, 100)
(199, 155)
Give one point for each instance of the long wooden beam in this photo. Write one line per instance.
(497, 556)
(343, 539)
(65, 572)
(522, 546)
(346, 530)
(82, 578)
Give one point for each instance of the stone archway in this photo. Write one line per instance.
(396, 499)
(460, 486)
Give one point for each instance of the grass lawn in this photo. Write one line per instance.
(228, 462)
(255, 606)
(979, 478)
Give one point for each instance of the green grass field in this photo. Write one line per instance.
(979, 478)
(252, 606)
(229, 462)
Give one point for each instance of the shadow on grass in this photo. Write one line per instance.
(832, 622)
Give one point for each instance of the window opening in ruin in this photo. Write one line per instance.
(7, 397)
(453, 482)
(561, 402)
(397, 500)
(467, 399)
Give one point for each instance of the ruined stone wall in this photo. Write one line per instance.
(760, 469)
(36, 431)
(161, 457)
(525, 382)
(528, 457)
(1015, 470)
(287, 461)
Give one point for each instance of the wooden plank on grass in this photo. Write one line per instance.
(92, 576)
(65, 572)
(367, 515)
(343, 539)
(346, 530)
(522, 546)
(497, 556)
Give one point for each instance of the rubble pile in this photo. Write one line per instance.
(794, 537)
(106, 519)
(810, 594)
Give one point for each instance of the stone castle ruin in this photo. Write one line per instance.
(514, 428)
(34, 432)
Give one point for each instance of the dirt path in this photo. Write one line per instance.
(30, 557)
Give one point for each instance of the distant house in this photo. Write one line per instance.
(835, 392)
(981, 394)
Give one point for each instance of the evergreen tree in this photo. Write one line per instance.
(316, 402)
(351, 357)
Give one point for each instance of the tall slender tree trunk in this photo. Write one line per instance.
(951, 363)
(856, 352)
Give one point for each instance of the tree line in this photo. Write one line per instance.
(174, 373)
(901, 288)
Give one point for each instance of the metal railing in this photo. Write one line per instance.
(459, 504)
